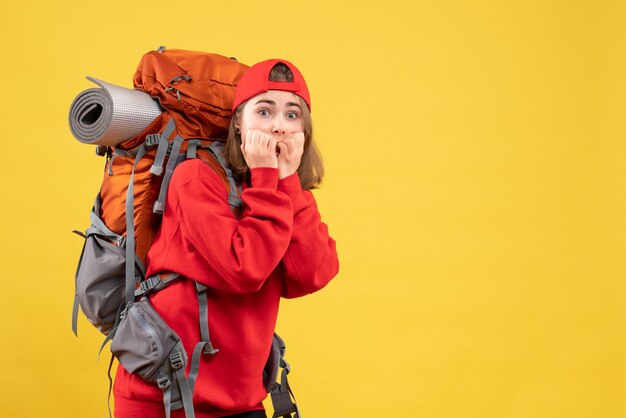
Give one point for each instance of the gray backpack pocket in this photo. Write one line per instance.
(143, 341)
(100, 275)
(100, 281)
(146, 346)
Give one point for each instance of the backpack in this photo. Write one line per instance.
(195, 91)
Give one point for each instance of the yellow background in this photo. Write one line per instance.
(475, 156)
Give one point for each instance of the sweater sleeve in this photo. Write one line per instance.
(243, 252)
(311, 258)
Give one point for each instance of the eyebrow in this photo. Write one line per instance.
(273, 103)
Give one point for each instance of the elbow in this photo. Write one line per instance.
(305, 282)
(249, 277)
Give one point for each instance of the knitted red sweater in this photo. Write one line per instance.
(277, 247)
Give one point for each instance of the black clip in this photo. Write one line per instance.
(102, 150)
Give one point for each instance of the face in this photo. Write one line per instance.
(275, 112)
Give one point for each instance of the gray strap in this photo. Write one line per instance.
(281, 398)
(195, 364)
(159, 159)
(282, 394)
(217, 149)
(167, 400)
(204, 346)
(130, 230)
(159, 205)
(183, 385)
(110, 164)
(155, 283)
(163, 141)
(98, 227)
(122, 152)
(203, 311)
(191, 148)
(110, 386)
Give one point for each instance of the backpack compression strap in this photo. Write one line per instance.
(131, 281)
(204, 346)
(282, 394)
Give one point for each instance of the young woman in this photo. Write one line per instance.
(277, 246)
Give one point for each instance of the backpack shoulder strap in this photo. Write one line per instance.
(217, 151)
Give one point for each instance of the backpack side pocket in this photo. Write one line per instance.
(100, 281)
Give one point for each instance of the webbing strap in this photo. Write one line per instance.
(203, 311)
(102, 229)
(282, 394)
(191, 148)
(159, 205)
(217, 149)
(159, 159)
(130, 230)
(110, 386)
(167, 400)
(185, 392)
(204, 346)
(155, 283)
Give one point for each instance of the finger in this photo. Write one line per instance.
(283, 150)
(272, 141)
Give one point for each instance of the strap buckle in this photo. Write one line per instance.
(163, 382)
(152, 140)
(283, 406)
(176, 359)
(148, 284)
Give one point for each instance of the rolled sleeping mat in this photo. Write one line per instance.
(111, 114)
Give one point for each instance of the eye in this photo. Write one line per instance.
(292, 115)
(263, 112)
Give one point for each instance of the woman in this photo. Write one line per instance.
(276, 247)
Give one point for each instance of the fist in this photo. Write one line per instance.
(259, 149)
(290, 149)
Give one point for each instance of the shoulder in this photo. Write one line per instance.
(196, 171)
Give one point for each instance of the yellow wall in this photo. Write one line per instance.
(475, 155)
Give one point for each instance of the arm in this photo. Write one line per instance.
(243, 252)
(311, 258)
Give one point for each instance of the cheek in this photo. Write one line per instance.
(298, 125)
(251, 122)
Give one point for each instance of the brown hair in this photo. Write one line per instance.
(311, 169)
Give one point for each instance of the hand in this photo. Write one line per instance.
(259, 149)
(290, 149)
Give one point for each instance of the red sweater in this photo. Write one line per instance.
(277, 247)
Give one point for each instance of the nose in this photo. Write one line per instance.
(279, 127)
(278, 130)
